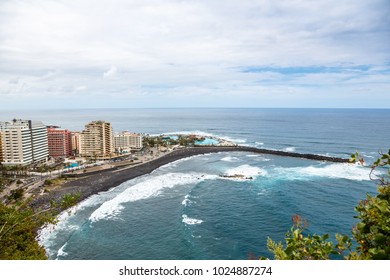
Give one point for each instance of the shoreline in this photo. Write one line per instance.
(105, 180)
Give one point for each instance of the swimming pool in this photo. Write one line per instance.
(72, 165)
(207, 142)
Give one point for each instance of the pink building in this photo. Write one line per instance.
(59, 142)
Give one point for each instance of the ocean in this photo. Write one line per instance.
(186, 210)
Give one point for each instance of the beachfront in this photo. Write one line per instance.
(112, 175)
(41, 179)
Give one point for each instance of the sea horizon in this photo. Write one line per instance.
(292, 79)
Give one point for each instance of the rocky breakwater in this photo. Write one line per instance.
(292, 154)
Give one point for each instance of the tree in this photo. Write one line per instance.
(372, 233)
(17, 234)
(19, 224)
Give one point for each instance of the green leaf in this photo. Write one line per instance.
(325, 236)
(289, 250)
(360, 226)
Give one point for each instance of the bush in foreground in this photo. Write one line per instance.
(19, 224)
(372, 233)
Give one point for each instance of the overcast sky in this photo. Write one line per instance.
(194, 53)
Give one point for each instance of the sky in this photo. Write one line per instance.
(194, 53)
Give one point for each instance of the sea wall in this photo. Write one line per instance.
(290, 154)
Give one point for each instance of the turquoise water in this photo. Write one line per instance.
(207, 142)
(72, 165)
(186, 210)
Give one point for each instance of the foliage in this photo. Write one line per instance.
(5, 181)
(48, 182)
(372, 233)
(149, 141)
(69, 200)
(18, 227)
(299, 247)
(45, 168)
(16, 194)
(186, 140)
(55, 181)
(17, 233)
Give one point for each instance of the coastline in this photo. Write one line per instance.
(90, 184)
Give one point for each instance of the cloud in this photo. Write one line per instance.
(14, 81)
(193, 47)
(80, 88)
(110, 72)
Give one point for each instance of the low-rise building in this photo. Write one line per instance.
(126, 141)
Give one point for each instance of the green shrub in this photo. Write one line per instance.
(372, 233)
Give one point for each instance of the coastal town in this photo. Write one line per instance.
(37, 158)
(43, 163)
(46, 171)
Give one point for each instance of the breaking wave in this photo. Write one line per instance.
(143, 190)
(207, 134)
(336, 171)
(230, 159)
(290, 149)
(246, 171)
(190, 221)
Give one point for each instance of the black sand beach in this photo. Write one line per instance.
(106, 179)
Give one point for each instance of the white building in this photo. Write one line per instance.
(126, 141)
(23, 142)
(1, 146)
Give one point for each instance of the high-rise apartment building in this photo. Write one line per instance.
(1, 146)
(59, 142)
(128, 141)
(23, 142)
(97, 139)
(75, 143)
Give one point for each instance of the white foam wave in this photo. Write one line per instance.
(191, 221)
(262, 192)
(234, 140)
(337, 171)
(175, 163)
(207, 134)
(290, 149)
(48, 232)
(150, 188)
(246, 171)
(61, 252)
(230, 159)
(258, 157)
(259, 143)
(186, 200)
